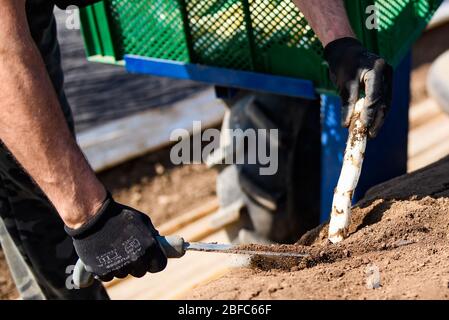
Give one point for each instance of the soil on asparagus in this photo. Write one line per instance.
(399, 232)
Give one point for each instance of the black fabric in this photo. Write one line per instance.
(63, 4)
(118, 241)
(354, 69)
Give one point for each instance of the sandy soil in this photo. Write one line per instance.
(400, 229)
(155, 186)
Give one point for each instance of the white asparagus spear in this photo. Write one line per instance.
(349, 177)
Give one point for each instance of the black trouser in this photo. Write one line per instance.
(32, 221)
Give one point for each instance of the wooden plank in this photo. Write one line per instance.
(177, 223)
(423, 112)
(437, 152)
(133, 136)
(438, 81)
(201, 229)
(429, 135)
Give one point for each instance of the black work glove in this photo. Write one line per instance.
(118, 241)
(353, 70)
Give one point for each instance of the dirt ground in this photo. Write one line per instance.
(155, 186)
(399, 232)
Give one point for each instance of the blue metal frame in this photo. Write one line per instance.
(222, 77)
(386, 156)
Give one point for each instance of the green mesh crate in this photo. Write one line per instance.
(267, 36)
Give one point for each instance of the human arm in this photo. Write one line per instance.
(33, 128)
(328, 18)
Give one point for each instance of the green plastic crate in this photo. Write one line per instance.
(267, 36)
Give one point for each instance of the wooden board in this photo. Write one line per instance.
(429, 135)
(121, 140)
(438, 81)
(423, 112)
(176, 224)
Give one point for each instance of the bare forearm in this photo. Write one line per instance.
(328, 18)
(33, 128)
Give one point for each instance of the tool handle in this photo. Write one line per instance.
(173, 247)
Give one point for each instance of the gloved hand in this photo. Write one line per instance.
(354, 70)
(118, 241)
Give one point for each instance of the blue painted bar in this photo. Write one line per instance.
(333, 142)
(222, 77)
(386, 156)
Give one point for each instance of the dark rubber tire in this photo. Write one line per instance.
(281, 207)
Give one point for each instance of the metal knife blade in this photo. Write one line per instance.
(232, 249)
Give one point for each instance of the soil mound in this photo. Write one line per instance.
(398, 236)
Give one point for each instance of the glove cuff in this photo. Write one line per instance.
(94, 222)
(336, 48)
